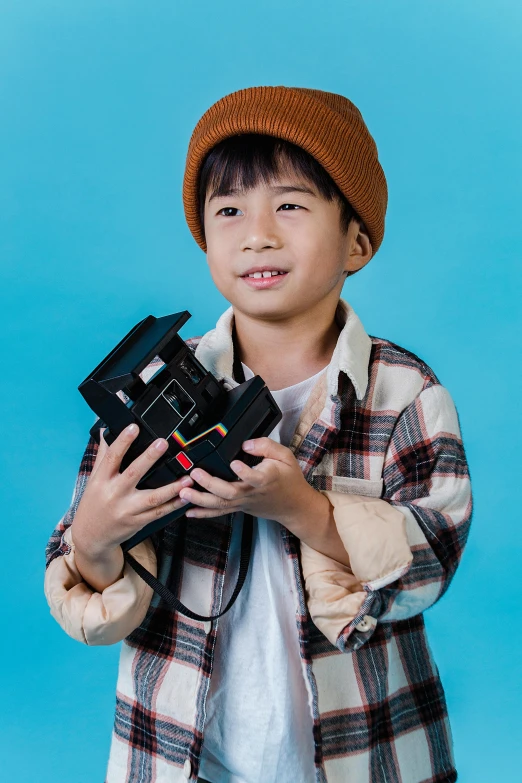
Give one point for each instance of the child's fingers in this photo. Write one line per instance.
(208, 513)
(133, 474)
(146, 499)
(111, 459)
(205, 499)
(220, 487)
(247, 474)
(160, 511)
(102, 448)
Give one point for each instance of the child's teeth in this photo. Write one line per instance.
(264, 274)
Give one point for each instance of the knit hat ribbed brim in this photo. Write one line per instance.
(328, 126)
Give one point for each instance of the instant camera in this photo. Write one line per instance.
(203, 422)
(182, 402)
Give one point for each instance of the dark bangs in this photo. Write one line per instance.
(246, 160)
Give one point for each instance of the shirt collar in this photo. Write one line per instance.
(351, 354)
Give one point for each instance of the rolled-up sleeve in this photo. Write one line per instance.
(404, 548)
(98, 618)
(374, 536)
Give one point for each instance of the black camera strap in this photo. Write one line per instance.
(246, 545)
(175, 603)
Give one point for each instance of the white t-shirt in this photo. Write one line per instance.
(259, 724)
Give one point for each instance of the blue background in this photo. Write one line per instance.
(98, 101)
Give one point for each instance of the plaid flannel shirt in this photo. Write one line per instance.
(381, 428)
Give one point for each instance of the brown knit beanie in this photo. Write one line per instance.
(328, 126)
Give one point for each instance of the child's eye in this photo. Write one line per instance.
(225, 209)
(235, 209)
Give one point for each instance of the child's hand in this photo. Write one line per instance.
(274, 489)
(112, 509)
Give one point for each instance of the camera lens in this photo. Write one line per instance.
(191, 371)
(173, 401)
(168, 410)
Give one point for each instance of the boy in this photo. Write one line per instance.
(321, 670)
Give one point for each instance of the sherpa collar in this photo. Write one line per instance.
(351, 354)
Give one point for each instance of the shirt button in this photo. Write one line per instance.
(207, 626)
(366, 624)
(187, 768)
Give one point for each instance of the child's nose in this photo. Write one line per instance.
(260, 231)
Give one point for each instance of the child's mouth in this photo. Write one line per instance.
(264, 282)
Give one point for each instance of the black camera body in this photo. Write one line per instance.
(203, 422)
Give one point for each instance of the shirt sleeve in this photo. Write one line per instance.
(86, 615)
(405, 547)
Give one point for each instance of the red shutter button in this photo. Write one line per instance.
(184, 461)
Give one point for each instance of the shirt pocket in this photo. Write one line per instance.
(354, 486)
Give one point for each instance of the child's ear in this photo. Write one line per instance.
(359, 247)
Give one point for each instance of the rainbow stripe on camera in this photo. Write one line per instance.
(182, 458)
(178, 437)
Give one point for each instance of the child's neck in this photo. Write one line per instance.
(284, 353)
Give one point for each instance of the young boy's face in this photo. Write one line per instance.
(285, 226)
